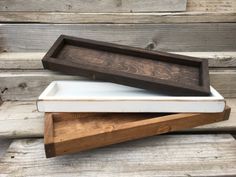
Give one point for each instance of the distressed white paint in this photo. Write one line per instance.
(91, 96)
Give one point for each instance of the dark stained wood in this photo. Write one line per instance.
(74, 132)
(158, 71)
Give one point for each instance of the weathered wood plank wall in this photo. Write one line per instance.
(95, 6)
(164, 37)
(192, 27)
(118, 11)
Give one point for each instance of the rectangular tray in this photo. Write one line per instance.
(152, 70)
(73, 132)
(92, 96)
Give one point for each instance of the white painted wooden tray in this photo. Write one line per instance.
(91, 96)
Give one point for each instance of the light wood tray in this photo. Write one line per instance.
(73, 132)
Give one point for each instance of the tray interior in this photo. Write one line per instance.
(86, 124)
(92, 90)
(129, 64)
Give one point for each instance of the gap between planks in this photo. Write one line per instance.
(191, 155)
(20, 119)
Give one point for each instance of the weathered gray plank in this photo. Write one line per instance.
(211, 5)
(166, 37)
(27, 85)
(32, 60)
(94, 6)
(118, 5)
(20, 119)
(169, 155)
(152, 18)
(4, 144)
(21, 85)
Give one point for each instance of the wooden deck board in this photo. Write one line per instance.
(93, 6)
(110, 11)
(117, 18)
(167, 155)
(19, 119)
(191, 37)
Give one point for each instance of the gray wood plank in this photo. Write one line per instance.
(4, 144)
(116, 18)
(118, 6)
(211, 5)
(32, 60)
(27, 85)
(169, 155)
(94, 6)
(166, 37)
(20, 119)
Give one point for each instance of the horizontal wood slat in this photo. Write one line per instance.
(21, 119)
(118, 5)
(94, 6)
(165, 37)
(118, 11)
(27, 85)
(32, 60)
(113, 18)
(167, 155)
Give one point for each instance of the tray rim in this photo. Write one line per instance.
(124, 78)
(44, 97)
(215, 104)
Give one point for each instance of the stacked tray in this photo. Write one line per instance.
(160, 93)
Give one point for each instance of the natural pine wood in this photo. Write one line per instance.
(73, 132)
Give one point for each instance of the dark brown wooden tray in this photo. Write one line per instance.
(157, 71)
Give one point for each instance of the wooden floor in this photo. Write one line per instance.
(199, 28)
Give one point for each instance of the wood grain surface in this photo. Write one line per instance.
(165, 155)
(197, 37)
(67, 132)
(168, 73)
(106, 11)
(117, 6)
(117, 18)
(93, 6)
(130, 64)
(32, 60)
